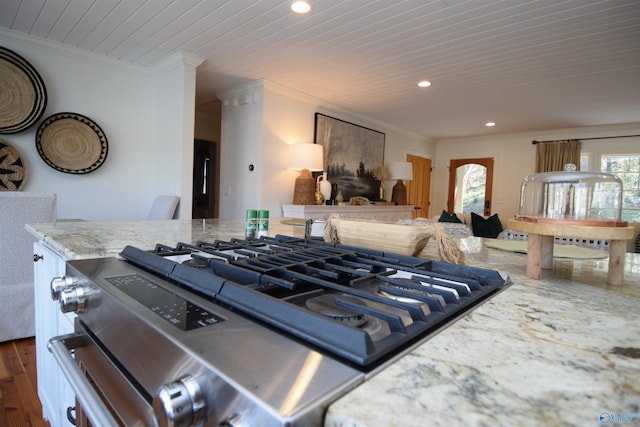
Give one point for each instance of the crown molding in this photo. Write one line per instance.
(245, 94)
(564, 133)
(70, 51)
(175, 60)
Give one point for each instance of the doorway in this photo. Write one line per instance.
(418, 189)
(205, 188)
(470, 186)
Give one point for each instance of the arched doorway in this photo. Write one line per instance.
(470, 185)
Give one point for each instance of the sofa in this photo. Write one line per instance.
(17, 313)
(466, 219)
(463, 229)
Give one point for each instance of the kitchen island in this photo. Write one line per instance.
(563, 350)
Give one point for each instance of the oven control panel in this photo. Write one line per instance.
(171, 307)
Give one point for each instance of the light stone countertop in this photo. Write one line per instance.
(89, 239)
(561, 351)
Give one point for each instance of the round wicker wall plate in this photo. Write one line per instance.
(71, 143)
(23, 97)
(13, 172)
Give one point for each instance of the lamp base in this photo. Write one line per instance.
(399, 195)
(304, 191)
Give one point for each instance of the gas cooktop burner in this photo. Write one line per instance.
(196, 263)
(359, 304)
(329, 305)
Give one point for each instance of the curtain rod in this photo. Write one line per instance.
(534, 142)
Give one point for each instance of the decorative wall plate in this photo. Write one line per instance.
(13, 172)
(71, 143)
(23, 97)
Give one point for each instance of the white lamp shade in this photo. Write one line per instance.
(306, 156)
(400, 170)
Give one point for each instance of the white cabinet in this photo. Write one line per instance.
(53, 390)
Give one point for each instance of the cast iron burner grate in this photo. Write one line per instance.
(361, 305)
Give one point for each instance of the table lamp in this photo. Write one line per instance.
(400, 171)
(305, 157)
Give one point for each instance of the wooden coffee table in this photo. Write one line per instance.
(541, 237)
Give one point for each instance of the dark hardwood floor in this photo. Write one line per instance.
(19, 404)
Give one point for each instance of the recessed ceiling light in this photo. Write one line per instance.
(424, 83)
(300, 6)
(489, 124)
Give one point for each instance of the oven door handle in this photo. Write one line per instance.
(61, 347)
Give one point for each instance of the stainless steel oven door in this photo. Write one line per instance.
(104, 395)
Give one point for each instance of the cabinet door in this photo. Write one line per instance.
(53, 390)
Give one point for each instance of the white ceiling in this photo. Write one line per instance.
(526, 65)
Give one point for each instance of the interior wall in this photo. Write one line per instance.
(260, 120)
(174, 105)
(240, 148)
(121, 99)
(515, 158)
(207, 121)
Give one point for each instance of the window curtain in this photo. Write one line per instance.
(552, 156)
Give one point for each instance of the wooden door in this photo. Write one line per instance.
(457, 188)
(418, 189)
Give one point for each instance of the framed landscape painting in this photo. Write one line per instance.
(353, 156)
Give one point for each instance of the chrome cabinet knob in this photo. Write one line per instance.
(73, 299)
(180, 403)
(58, 284)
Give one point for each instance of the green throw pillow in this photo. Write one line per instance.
(447, 217)
(489, 227)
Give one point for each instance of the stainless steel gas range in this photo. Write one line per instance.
(247, 332)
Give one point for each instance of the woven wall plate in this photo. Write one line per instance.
(13, 172)
(71, 143)
(23, 97)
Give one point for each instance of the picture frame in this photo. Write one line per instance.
(353, 156)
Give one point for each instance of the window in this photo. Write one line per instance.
(585, 161)
(627, 168)
(471, 179)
